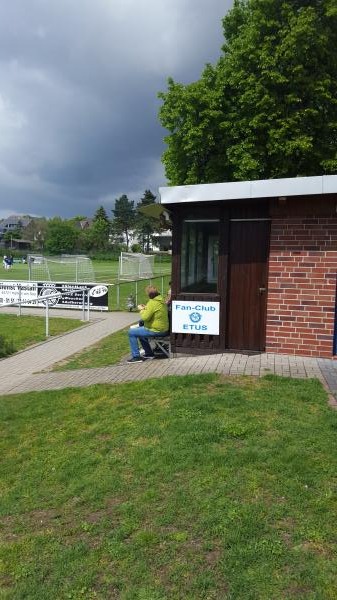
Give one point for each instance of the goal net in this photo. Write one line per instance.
(60, 268)
(133, 265)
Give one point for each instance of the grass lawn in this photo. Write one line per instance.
(105, 353)
(195, 487)
(106, 271)
(27, 330)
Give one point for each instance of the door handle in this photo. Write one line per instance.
(262, 289)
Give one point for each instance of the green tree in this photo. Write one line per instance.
(124, 217)
(97, 236)
(268, 108)
(61, 237)
(101, 215)
(100, 231)
(146, 226)
(78, 219)
(36, 231)
(13, 234)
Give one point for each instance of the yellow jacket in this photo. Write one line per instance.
(155, 315)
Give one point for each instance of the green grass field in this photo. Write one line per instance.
(190, 488)
(106, 272)
(25, 330)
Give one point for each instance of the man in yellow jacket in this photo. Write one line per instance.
(155, 317)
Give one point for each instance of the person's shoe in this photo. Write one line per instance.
(135, 359)
(148, 356)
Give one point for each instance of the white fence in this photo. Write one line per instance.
(49, 299)
(119, 293)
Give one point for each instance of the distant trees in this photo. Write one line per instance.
(61, 237)
(13, 234)
(130, 219)
(36, 232)
(124, 217)
(101, 215)
(98, 234)
(145, 226)
(100, 230)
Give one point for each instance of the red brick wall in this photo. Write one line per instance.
(302, 286)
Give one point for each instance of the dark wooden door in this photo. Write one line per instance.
(247, 284)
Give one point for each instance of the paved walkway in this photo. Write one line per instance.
(22, 372)
(17, 371)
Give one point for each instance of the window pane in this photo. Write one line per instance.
(199, 256)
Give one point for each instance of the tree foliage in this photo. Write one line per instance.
(268, 108)
(13, 234)
(99, 233)
(61, 237)
(124, 217)
(36, 231)
(101, 215)
(146, 226)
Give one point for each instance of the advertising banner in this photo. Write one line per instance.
(196, 317)
(10, 291)
(64, 294)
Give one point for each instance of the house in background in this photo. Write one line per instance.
(264, 253)
(162, 242)
(13, 224)
(18, 244)
(84, 224)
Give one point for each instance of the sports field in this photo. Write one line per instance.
(106, 271)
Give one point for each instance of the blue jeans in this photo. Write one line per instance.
(141, 334)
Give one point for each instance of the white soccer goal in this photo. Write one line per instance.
(133, 265)
(38, 268)
(60, 268)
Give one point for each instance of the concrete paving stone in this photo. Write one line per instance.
(211, 364)
(189, 364)
(178, 367)
(226, 360)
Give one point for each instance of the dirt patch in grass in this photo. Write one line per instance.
(297, 591)
(34, 520)
(6, 581)
(39, 521)
(317, 548)
(243, 381)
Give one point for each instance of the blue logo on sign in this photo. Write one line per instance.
(195, 317)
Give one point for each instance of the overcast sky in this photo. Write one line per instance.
(78, 96)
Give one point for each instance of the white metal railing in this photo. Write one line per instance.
(48, 297)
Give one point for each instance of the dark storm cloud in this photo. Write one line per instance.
(78, 96)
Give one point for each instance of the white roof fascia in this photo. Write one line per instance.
(291, 186)
(264, 188)
(329, 184)
(205, 191)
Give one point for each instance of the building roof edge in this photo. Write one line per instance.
(240, 190)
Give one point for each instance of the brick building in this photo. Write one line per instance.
(265, 252)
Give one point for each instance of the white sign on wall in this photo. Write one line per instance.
(195, 317)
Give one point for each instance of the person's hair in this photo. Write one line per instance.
(152, 291)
